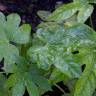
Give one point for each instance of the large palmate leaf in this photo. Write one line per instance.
(30, 78)
(61, 14)
(57, 46)
(87, 82)
(11, 32)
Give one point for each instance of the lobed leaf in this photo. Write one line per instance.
(15, 33)
(11, 32)
(65, 12)
(30, 79)
(58, 45)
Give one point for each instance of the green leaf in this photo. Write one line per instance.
(3, 88)
(64, 12)
(86, 84)
(15, 33)
(51, 52)
(31, 78)
(13, 21)
(2, 20)
(43, 14)
(94, 94)
(57, 46)
(38, 79)
(11, 32)
(57, 76)
(18, 89)
(32, 89)
(85, 1)
(21, 36)
(84, 13)
(9, 53)
(92, 1)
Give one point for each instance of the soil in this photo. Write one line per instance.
(27, 9)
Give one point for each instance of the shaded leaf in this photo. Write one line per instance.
(9, 53)
(18, 89)
(57, 76)
(43, 14)
(30, 78)
(32, 89)
(3, 88)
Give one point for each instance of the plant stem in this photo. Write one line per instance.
(91, 23)
(23, 50)
(60, 88)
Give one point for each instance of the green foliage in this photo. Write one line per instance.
(82, 11)
(56, 52)
(85, 1)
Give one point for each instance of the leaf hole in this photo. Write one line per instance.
(75, 52)
(26, 93)
(13, 43)
(1, 65)
(83, 67)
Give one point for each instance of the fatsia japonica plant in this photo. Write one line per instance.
(57, 51)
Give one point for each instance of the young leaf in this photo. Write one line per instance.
(64, 12)
(43, 14)
(84, 13)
